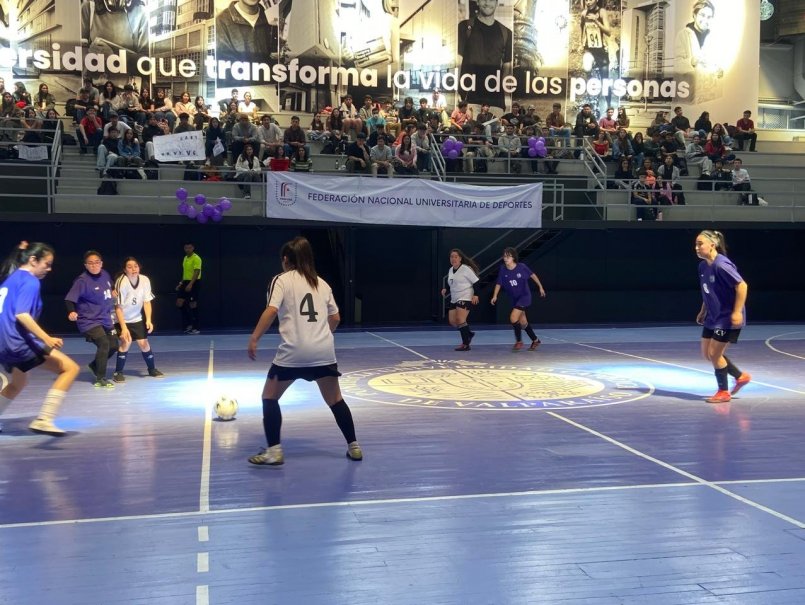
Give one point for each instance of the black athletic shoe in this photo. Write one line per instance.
(155, 373)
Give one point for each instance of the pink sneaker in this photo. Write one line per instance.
(740, 382)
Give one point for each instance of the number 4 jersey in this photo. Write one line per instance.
(304, 330)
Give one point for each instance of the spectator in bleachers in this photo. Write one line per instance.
(212, 135)
(624, 177)
(652, 148)
(409, 130)
(130, 154)
(374, 120)
(717, 150)
(558, 125)
(670, 175)
(316, 131)
(512, 118)
(349, 115)
(421, 141)
(248, 106)
(437, 101)
(608, 124)
(336, 143)
(109, 100)
(423, 113)
(335, 121)
(669, 148)
(601, 146)
(484, 116)
(721, 176)
(116, 123)
(202, 115)
(435, 125)
(270, 137)
(230, 119)
(80, 105)
(94, 93)
(365, 112)
(719, 129)
(131, 111)
(695, 155)
(294, 137)
(358, 158)
(646, 167)
(32, 126)
(460, 117)
(642, 198)
(681, 125)
(90, 131)
(477, 150)
(530, 118)
(509, 147)
(243, 133)
(586, 126)
(405, 156)
(8, 121)
(184, 105)
(391, 115)
(165, 107)
(300, 162)
(380, 132)
(659, 125)
(248, 170)
(108, 151)
(49, 126)
(407, 114)
(740, 180)
(225, 104)
(21, 94)
(43, 100)
(184, 124)
(622, 146)
(622, 118)
(279, 162)
(746, 132)
(703, 125)
(146, 102)
(153, 128)
(382, 158)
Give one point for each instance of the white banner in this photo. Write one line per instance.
(408, 201)
(32, 153)
(179, 147)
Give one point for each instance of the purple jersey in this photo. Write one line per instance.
(718, 283)
(515, 283)
(18, 294)
(92, 296)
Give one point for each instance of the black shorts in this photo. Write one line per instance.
(721, 335)
(96, 333)
(193, 295)
(460, 304)
(310, 374)
(37, 358)
(136, 329)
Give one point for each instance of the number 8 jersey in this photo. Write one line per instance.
(306, 338)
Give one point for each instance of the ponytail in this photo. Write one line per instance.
(21, 254)
(718, 240)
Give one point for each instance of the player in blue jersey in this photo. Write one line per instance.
(24, 345)
(462, 285)
(91, 304)
(723, 313)
(513, 277)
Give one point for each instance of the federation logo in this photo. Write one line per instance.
(286, 194)
(461, 385)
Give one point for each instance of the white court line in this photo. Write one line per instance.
(203, 562)
(684, 473)
(767, 342)
(396, 344)
(206, 451)
(203, 533)
(674, 365)
(202, 595)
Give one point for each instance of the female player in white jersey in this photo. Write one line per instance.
(24, 345)
(133, 312)
(308, 316)
(462, 281)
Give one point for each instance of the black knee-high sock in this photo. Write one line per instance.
(148, 356)
(272, 421)
(530, 331)
(465, 333)
(101, 356)
(186, 319)
(194, 317)
(121, 361)
(732, 369)
(343, 418)
(518, 331)
(721, 379)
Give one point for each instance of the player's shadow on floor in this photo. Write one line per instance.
(686, 396)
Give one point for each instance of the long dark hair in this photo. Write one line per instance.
(466, 260)
(513, 253)
(21, 254)
(299, 256)
(122, 273)
(718, 240)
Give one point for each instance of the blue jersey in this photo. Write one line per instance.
(718, 282)
(92, 296)
(18, 294)
(515, 283)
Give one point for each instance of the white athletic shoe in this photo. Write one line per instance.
(271, 456)
(46, 427)
(354, 451)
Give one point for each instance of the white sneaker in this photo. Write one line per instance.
(354, 451)
(247, 196)
(46, 427)
(142, 174)
(762, 202)
(271, 456)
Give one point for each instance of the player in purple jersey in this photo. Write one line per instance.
(91, 304)
(723, 313)
(513, 277)
(24, 345)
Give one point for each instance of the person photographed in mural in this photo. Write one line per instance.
(596, 32)
(115, 24)
(485, 46)
(243, 33)
(696, 50)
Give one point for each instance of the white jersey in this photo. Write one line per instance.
(306, 338)
(461, 282)
(130, 298)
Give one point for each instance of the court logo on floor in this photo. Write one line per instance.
(483, 386)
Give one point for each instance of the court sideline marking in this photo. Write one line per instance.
(666, 465)
(203, 557)
(767, 342)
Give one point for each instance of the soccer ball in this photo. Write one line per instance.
(226, 408)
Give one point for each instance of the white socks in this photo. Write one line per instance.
(51, 404)
(4, 403)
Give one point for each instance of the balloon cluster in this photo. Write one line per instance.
(203, 211)
(452, 148)
(536, 147)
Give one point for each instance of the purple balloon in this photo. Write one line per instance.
(225, 204)
(181, 194)
(458, 146)
(202, 218)
(452, 154)
(207, 210)
(201, 199)
(217, 217)
(541, 152)
(191, 212)
(532, 152)
(448, 145)
(541, 140)
(182, 208)
(532, 141)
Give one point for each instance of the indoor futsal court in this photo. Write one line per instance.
(589, 471)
